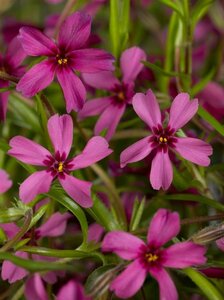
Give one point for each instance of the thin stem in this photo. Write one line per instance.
(20, 234)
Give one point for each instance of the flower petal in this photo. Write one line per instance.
(54, 226)
(163, 227)
(73, 291)
(95, 233)
(74, 32)
(12, 272)
(5, 182)
(147, 108)
(73, 89)
(183, 255)
(194, 150)
(28, 151)
(109, 120)
(60, 129)
(12, 57)
(96, 149)
(101, 80)
(36, 79)
(10, 229)
(131, 64)
(94, 107)
(136, 152)
(77, 189)
(161, 174)
(35, 43)
(37, 183)
(91, 60)
(167, 288)
(124, 244)
(182, 110)
(34, 288)
(129, 282)
(220, 244)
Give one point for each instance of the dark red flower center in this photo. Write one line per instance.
(150, 256)
(163, 138)
(58, 165)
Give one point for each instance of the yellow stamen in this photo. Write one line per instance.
(60, 166)
(121, 96)
(151, 257)
(61, 60)
(163, 139)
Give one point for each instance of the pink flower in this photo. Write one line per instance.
(58, 165)
(151, 257)
(163, 140)
(53, 227)
(73, 291)
(65, 57)
(112, 108)
(5, 182)
(11, 64)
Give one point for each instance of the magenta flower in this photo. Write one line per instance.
(163, 139)
(5, 182)
(11, 64)
(58, 165)
(112, 108)
(151, 257)
(73, 291)
(53, 227)
(63, 58)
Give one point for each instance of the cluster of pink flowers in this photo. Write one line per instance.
(78, 68)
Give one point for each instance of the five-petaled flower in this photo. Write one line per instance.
(163, 139)
(58, 165)
(65, 57)
(112, 108)
(152, 257)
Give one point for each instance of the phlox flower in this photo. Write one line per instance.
(5, 182)
(111, 108)
(53, 227)
(11, 64)
(66, 55)
(163, 139)
(151, 257)
(57, 165)
(73, 291)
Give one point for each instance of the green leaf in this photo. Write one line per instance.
(195, 198)
(137, 214)
(34, 266)
(211, 120)
(202, 83)
(208, 289)
(199, 10)
(98, 282)
(38, 215)
(102, 215)
(11, 215)
(174, 6)
(162, 71)
(75, 209)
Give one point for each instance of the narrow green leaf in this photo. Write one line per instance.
(137, 214)
(208, 289)
(102, 215)
(162, 71)
(199, 10)
(202, 83)
(174, 6)
(114, 27)
(75, 209)
(11, 215)
(38, 215)
(32, 265)
(211, 120)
